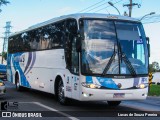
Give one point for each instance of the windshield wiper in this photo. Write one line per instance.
(110, 62)
(126, 61)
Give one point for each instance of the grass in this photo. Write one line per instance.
(154, 90)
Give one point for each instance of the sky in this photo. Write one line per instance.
(25, 13)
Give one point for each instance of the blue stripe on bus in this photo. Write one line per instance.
(107, 82)
(32, 63)
(28, 62)
(89, 79)
(104, 82)
(16, 60)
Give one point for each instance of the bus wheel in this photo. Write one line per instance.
(60, 93)
(18, 87)
(113, 103)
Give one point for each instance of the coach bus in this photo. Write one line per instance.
(86, 57)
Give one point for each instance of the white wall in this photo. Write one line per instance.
(156, 77)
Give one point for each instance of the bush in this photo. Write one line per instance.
(154, 90)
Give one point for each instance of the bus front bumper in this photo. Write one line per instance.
(113, 95)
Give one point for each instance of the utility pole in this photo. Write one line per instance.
(130, 6)
(6, 35)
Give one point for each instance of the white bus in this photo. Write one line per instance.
(86, 57)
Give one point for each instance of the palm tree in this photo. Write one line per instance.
(3, 2)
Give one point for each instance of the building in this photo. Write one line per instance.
(156, 77)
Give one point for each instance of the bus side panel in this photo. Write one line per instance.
(38, 70)
(43, 69)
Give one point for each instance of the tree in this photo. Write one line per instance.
(4, 55)
(154, 67)
(151, 69)
(3, 2)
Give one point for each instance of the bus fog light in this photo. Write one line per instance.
(1, 84)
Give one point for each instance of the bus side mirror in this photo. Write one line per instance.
(148, 45)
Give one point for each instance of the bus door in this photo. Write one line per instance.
(75, 71)
(72, 57)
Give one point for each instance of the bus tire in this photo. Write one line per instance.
(113, 103)
(18, 87)
(60, 93)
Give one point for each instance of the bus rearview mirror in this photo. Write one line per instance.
(148, 45)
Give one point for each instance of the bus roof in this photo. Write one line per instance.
(77, 16)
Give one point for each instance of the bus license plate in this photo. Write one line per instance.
(118, 95)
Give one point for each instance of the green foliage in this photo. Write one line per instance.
(3, 2)
(154, 90)
(152, 68)
(4, 54)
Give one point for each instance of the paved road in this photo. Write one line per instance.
(31, 100)
(150, 104)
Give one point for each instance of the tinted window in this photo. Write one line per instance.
(57, 35)
(70, 51)
(44, 38)
(25, 39)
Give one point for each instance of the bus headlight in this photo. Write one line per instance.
(1, 84)
(90, 85)
(142, 86)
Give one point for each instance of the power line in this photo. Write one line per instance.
(102, 9)
(108, 6)
(92, 6)
(97, 7)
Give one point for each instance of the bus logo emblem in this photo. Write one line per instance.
(119, 85)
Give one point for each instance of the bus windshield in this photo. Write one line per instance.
(113, 47)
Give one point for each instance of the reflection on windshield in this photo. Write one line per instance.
(98, 46)
(100, 41)
(133, 45)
